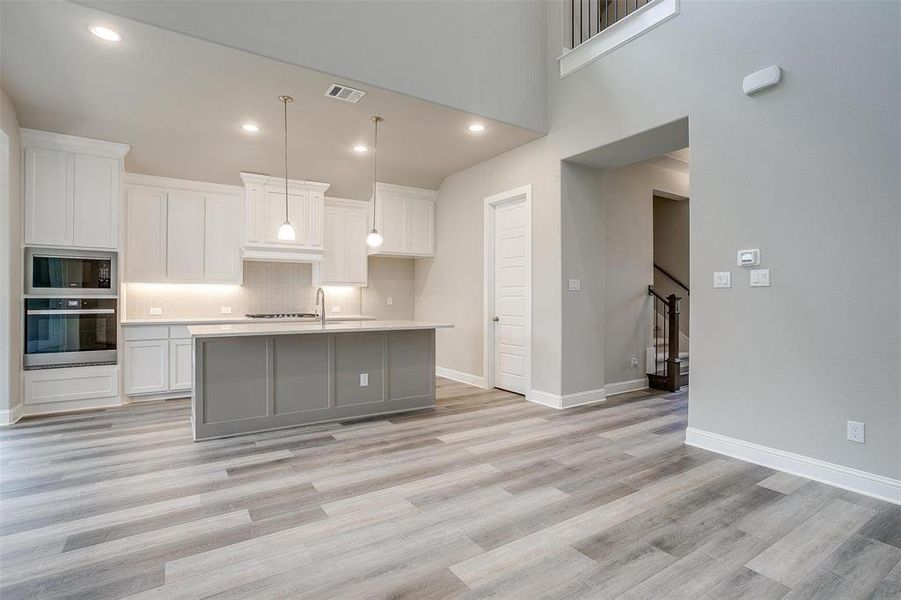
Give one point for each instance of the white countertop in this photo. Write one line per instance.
(298, 327)
(240, 319)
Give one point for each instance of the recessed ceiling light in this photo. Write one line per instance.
(477, 128)
(105, 33)
(250, 127)
(360, 149)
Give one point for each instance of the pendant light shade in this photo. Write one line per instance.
(374, 239)
(286, 231)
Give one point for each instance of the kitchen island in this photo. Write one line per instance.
(250, 377)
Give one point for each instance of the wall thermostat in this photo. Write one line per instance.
(748, 258)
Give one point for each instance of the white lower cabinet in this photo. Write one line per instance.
(180, 365)
(158, 360)
(146, 367)
(49, 386)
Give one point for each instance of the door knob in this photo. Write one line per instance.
(496, 319)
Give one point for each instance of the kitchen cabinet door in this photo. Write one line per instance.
(334, 268)
(146, 223)
(392, 224)
(48, 196)
(146, 367)
(420, 221)
(315, 207)
(180, 365)
(357, 255)
(346, 256)
(185, 237)
(96, 201)
(222, 239)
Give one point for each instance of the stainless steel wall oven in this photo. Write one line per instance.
(63, 332)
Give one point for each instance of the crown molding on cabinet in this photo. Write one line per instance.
(347, 203)
(186, 185)
(294, 185)
(71, 143)
(405, 191)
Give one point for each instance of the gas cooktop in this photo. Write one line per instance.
(292, 315)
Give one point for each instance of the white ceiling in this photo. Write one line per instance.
(180, 102)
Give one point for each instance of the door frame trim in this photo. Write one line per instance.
(523, 193)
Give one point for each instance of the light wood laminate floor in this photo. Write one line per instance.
(485, 496)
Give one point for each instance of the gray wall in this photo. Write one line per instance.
(389, 277)
(11, 262)
(808, 172)
(583, 214)
(481, 56)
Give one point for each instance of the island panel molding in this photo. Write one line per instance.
(258, 377)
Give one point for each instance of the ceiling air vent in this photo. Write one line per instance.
(342, 92)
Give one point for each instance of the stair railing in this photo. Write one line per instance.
(587, 18)
(667, 370)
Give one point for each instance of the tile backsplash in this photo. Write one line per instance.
(268, 288)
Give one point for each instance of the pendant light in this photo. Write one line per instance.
(374, 239)
(286, 231)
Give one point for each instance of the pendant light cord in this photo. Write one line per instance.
(285, 101)
(375, 162)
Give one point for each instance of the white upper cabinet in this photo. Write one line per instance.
(405, 217)
(344, 241)
(145, 234)
(264, 207)
(222, 239)
(182, 231)
(96, 201)
(185, 236)
(48, 197)
(71, 190)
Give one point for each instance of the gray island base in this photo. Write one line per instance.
(257, 377)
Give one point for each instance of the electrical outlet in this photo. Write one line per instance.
(364, 379)
(336, 309)
(390, 300)
(856, 432)
(225, 310)
(156, 310)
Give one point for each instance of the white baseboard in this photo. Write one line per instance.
(855, 480)
(10, 416)
(460, 376)
(621, 387)
(567, 400)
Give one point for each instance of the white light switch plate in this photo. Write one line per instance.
(364, 379)
(156, 310)
(575, 285)
(390, 300)
(760, 278)
(722, 279)
(336, 309)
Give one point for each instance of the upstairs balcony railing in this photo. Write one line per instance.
(590, 17)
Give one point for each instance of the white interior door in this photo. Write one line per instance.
(511, 281)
